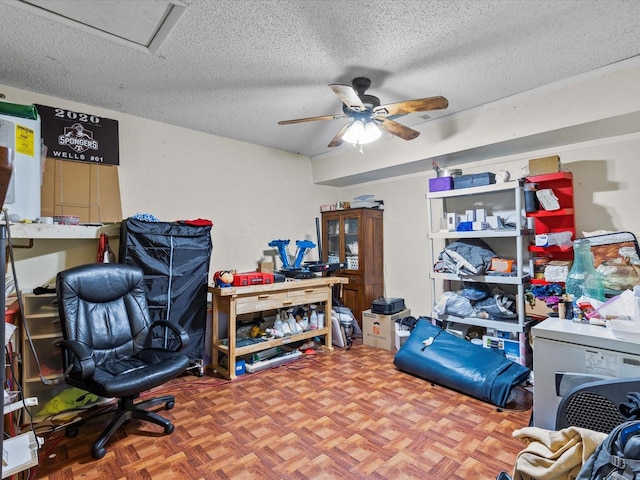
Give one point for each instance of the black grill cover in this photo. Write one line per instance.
(175, 259)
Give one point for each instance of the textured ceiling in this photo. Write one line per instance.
(235, 68)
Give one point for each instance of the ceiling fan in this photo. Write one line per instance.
(368, 114)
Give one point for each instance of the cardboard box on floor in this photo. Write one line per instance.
(88, 190)
(379, 330)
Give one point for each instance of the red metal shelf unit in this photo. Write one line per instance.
(554, 221)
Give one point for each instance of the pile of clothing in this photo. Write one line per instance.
(476, 300)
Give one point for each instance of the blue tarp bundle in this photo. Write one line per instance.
(434, 354)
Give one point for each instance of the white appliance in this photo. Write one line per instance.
(562, 347)
(22, 136)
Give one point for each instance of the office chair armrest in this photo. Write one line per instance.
(82, 357)
(177, 329)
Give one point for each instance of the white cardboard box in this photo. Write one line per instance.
(517, 350)
(402, 333)
(379, 330)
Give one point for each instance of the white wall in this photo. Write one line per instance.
(252, 194)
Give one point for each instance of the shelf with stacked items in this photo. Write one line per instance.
(491, 278)
(550, 224)
(42, 376)
(505, 230)
(488, 233)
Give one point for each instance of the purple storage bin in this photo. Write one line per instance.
(440, 183)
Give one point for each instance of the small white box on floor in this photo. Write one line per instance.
(402, 333)
(379, 330)
(519, 350)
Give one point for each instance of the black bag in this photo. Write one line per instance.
(617, 457)
(409, 322)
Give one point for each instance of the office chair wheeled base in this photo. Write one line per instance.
(125, 411)
(196, 368)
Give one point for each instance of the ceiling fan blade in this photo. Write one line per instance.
(397, 129)
(410, 106)
(337, 140)
(311, 119)
(348, 96)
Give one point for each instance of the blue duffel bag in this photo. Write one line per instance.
(436, 355)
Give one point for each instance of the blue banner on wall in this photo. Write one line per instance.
(80, 137)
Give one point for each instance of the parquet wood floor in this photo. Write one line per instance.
(341, 415)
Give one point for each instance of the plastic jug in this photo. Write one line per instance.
(583, 279)
(313, 318)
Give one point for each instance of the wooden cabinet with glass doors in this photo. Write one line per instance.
(354, 237)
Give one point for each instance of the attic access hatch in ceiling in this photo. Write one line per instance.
(140, 25)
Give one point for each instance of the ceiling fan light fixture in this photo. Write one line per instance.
(370, 118)
(354, 132)
(360, 133)
(371, 133)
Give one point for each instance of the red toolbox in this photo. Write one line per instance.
(251, 278)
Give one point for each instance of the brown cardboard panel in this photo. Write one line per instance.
(47, 190)
(540, 166)
(88, 190)
(109, 193)
(75, 185)
(539, 308)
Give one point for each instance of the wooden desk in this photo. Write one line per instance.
(230, 302)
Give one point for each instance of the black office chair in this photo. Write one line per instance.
(596, 405)
(107, 344)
